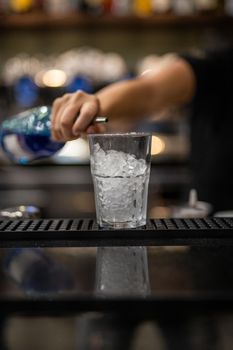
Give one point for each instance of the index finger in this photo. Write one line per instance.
(87, 113)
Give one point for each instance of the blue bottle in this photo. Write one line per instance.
(26, 136)
(35, 272)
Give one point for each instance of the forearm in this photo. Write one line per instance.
(125, 100)
(139, 98)
(123, 103)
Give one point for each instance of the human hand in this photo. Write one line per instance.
(72, 115)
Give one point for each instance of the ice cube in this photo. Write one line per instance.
(115, 163)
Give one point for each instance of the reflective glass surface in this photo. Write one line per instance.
(63, 274)
(67, 272)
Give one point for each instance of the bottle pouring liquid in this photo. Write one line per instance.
(27, 136)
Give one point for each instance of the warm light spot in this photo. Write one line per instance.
(54, 78)
(51, 78)
(157, 146)
(20, 5)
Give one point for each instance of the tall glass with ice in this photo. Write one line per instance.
(120, 167)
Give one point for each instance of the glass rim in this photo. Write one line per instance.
(128, 134)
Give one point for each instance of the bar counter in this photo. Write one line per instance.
(189, 262)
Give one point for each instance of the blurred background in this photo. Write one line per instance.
(50, 47)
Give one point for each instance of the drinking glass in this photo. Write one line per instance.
(120, 167)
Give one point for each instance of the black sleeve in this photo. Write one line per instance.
(213, 70)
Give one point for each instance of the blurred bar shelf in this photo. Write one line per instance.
(78, 176)
(41, 20)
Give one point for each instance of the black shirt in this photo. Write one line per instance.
(212, 127)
